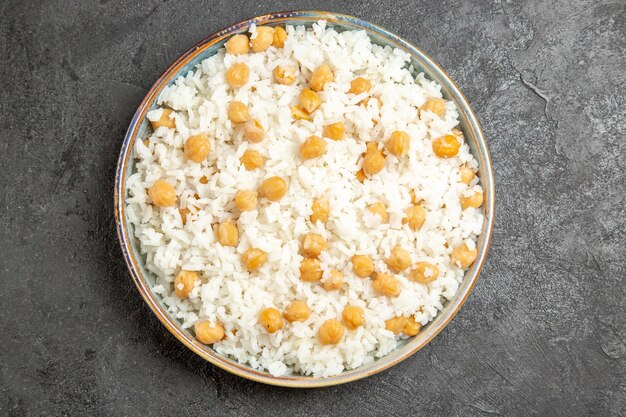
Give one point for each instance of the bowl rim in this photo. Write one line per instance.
(230, 365)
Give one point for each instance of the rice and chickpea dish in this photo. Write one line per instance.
(305, 201)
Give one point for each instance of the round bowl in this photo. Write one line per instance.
(204, 49)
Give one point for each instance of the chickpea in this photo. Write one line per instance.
(435, 105)
(360, 175)
(330, 332)
(399, 143)
(362, 265)
(313, 244)
(162, 194)
(462, 256)
(385, 284)
(197, 147)
(359, 85)
(184, 283)
(396, 324)
(251, 160)
(411, 327)
(380, 209)
(415, 217)
(373, 163)
(335, 131)
(353, 317)
(309, 100)
(227, 233)
(237, 75)
(320, 77)
(208, 333)
(399, 260)
(280, 35)
(203, 180)
(334, 280)
(475, 200)
(253, 259)
(297, 311)
(467, 174)
(310, 270)
(312, 147)
(320, 210)
(246, 200)
(164, 120)
(273, 188)
(253, 131)
(264, 38)
(299, 113)
(271, 320)
(446, 146)
(238, 112)
(284, 76)
(238, 44)
(424, 273)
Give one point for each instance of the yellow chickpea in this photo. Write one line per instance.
(208, 333)
(396, 324)
(415, 217)
(253, 131)
(284, 76)
(353, 317)
(411, 327)
(334, 280)
(373, 163)
(320, 77)
(299, 113)
(246, 200)
(164, 120)
(251, 160)
(273, 188)
(462, 256)
(330, 332)
(362, 265)
(380, 209)
(270, 319)
(162, 194)
(297, 311)
(184, 283)
(399, 260)
(197, 147)
(360, 175)
(264, 38)
(475, 200)
(335, 131)
(227, 233)
(467, 174)
(399, 143)
(385, 284)
(312, 147)
(321, 209)
(424, 273)
(253, 259)
(359, 85)
(310, 270)
(313, 244)
(238, 44)
(309, 100)
(435, 105)
(446, 146)
(280, 35)
(237, 75)
(203, 180)
(238, 112)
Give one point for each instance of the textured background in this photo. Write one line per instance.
(544, 331)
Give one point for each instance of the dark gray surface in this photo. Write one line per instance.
(544, 331)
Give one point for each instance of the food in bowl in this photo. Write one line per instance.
(305, 200)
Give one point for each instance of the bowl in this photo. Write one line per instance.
(204, 49)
